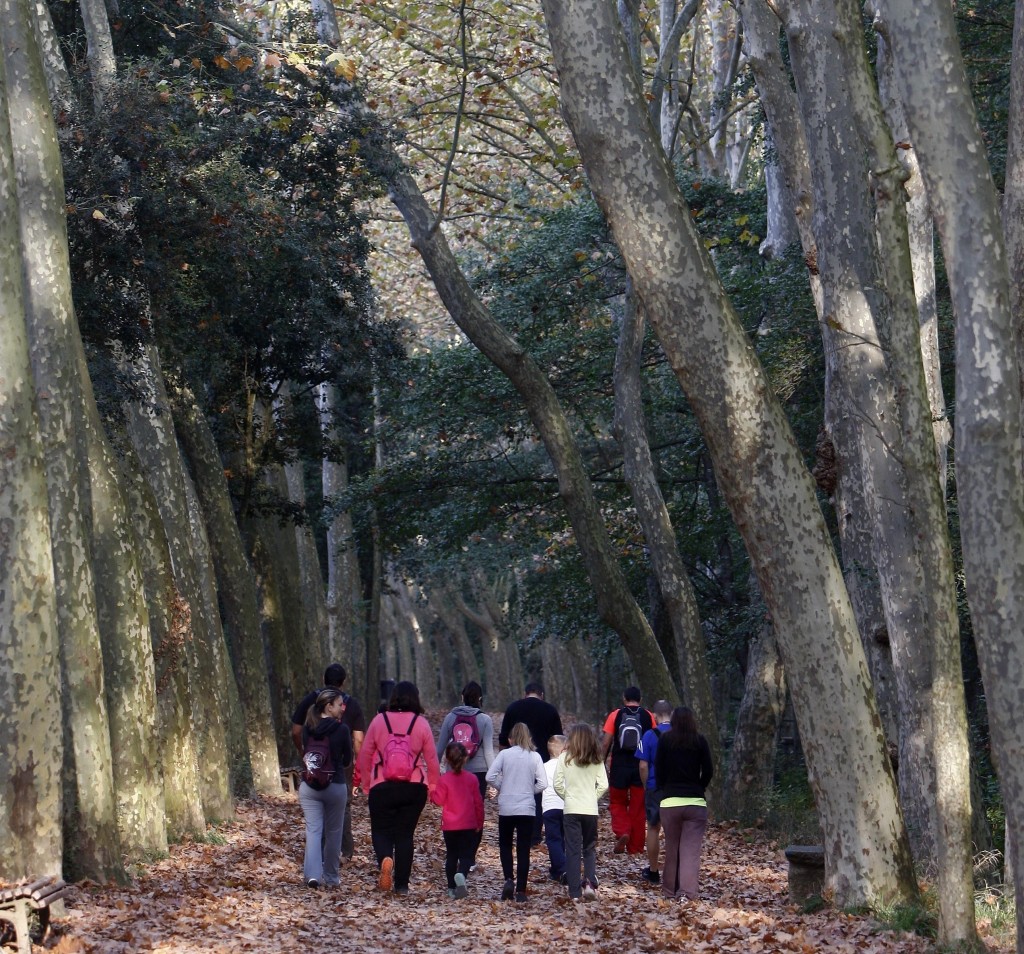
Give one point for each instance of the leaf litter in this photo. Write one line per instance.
(247, 895)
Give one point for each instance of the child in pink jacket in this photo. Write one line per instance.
(462, 818)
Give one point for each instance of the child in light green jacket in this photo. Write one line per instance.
(581, 780)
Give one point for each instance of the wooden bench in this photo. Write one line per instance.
(16, 903)
(290, 778)
(806, 871)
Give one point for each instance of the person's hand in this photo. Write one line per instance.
(492, 792)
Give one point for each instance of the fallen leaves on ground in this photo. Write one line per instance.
(247, 895)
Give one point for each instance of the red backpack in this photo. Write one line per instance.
(466, 732)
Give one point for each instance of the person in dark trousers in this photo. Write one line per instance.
(323, 799)
(543, 721)
(683, 768)
(623, 730)
(334, 678)
(395, 804)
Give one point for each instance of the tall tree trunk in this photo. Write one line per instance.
(640, 472)
(151, 431)
(750, 772)
(937, 97)
(311, 585)
(100, 49)
(170, 623)
(91, 842)
(1013, 191)
(615, 602)
(238, 765)
(443, 604)
(277, 625)
(871, 329)
(129, 676)
(30, 752)
(342, 564)
(236, 588)
(758, 463)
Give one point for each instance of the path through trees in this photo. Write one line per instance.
(242, 891)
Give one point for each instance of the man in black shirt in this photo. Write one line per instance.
(334, 678)
(543, 721)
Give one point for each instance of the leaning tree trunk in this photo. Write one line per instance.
(30, 786)
(129, 676)
(91, 842)
(151, 431)
(451, 618)
(236, 588)
(639, 470)
(615, 603)
(170, 623)
(937, 97)
(758, 463)
(1013, 191)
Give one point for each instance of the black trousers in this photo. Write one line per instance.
(395, 809)
(519, 827)
(460, 846)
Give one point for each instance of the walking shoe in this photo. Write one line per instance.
(589, 894)
(386, 878)
(652, 876)
(460, 886)
(620, 844)
(404, 889)
(508, 890)
(521, 897)
(312, 883)
(451, 893)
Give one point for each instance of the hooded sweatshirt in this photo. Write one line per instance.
(484, 756)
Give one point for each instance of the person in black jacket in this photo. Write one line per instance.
(323, 802)
(543, 721)
(682, 766)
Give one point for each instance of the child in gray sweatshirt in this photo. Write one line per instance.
(515, 776)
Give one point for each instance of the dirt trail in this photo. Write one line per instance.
(246, 895)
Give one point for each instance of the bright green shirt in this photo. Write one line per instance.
(682, 803)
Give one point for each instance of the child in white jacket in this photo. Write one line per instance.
(515, 776)
(580, 779)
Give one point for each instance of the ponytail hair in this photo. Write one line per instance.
(455, 755)
(316, 711)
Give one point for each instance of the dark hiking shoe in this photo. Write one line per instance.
(652, 876)
(508, 890)
(460, 886)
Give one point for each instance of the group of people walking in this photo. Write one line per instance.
(654, 765)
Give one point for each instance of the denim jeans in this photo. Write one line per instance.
(325, 818)
(555, 838)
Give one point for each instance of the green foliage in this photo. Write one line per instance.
(996, 914)
(790, 815)
(215, 208)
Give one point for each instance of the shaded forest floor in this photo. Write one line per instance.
(241, 890)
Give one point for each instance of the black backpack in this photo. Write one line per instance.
(629, 730)
(316, 756)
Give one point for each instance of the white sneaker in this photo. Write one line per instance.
(589, 894)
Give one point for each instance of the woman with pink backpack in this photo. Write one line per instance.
(399, 768)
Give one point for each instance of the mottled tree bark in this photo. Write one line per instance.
(236, 588)
(953, 160)
(170, 624)
(151, 431)
(30, 752)
(91, 842)
(758, 464)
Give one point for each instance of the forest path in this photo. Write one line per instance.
(246, 895)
